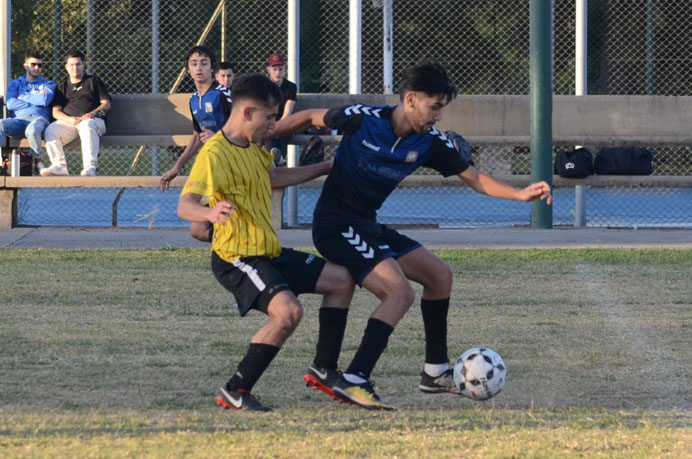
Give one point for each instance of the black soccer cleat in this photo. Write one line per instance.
(439, 384)
(239, 400)
(323, 379)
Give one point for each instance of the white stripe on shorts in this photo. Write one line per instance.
(251, 273)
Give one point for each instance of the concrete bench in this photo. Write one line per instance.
(485, 121)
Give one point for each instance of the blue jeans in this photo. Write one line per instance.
(31, 127)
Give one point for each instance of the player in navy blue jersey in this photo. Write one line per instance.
(210, 107)
(380, 147)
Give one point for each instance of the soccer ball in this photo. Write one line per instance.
(480, 373)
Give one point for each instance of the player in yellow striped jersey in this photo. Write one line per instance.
(237, 176)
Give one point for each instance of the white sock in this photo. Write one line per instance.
(436, 369)
(354, 379)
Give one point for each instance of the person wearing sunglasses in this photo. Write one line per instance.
(28, 99)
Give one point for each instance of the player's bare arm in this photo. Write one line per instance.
(298, 122)
(288, 108)
(490, 186)
(192, 147)
(287, 176)
(191, 209)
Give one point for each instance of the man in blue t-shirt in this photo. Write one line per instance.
(210, 107)
(29, 98)
(380, 147)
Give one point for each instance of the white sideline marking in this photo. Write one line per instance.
(629, 336)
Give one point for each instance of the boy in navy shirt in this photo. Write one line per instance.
(210, 106)
(380, 147)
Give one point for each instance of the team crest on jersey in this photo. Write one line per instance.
(411, 157)
(208, 107)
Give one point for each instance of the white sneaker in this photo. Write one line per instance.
(88, 172)
(38, 167)
(55, 169)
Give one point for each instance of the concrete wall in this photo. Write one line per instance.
(505, 119)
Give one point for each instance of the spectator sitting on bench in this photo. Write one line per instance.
(29, 97)
(79, 108)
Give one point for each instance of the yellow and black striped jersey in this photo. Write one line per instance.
(239, 175)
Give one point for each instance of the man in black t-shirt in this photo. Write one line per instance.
(79, 107)
(277, 73)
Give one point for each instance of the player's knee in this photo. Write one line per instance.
(343, 283)
(402, 294)
(290, 317)
(444, 276)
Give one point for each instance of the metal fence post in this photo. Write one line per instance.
(541, 106)
(580, 89)
(293, 75)
(388, 46)
(5, 46)
(155, 71)
(354, 46)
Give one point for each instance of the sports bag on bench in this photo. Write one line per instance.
(624, 161)
(574, 163)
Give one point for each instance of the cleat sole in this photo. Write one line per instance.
(315, 383)
(222, 403)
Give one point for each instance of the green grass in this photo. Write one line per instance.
(119, 353)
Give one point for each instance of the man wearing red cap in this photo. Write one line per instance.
(277, 73)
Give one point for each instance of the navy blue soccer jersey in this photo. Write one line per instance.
(212, 109)
(371, 161)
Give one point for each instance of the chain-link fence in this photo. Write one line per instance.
(138, 46)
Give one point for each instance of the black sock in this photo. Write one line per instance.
(371, 348)
(331, 335)
(256, 360)
(435, 324)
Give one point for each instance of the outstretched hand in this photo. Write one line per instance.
(166, 178)
(538, 190)
(220, 212)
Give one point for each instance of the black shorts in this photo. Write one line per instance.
(359, 245)
(254, 281)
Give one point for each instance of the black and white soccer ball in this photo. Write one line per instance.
(480, 373)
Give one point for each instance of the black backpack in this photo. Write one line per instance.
(574, 163)
(624, 161)
(461, 145)
(313, 152)
(26, 163)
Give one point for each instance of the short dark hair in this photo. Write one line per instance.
(427, 76)
(31, 54)
(225, 65)
(74, 53)
(256, 87)
(204, 51)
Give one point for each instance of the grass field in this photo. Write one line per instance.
(119, 353)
